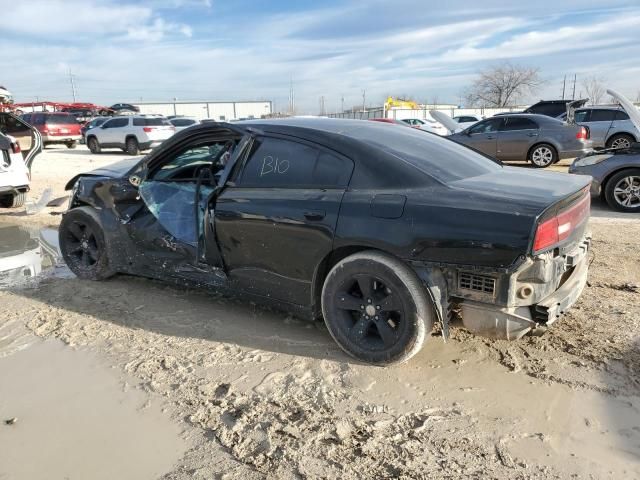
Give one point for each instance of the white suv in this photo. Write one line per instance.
(132, 133)
(19, 145)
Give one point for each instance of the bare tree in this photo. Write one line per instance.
(502, 85)
(594, 88)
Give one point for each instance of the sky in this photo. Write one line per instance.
(158, 50)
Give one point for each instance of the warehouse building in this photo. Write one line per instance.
(219, 111)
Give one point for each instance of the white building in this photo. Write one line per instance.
(219, 111)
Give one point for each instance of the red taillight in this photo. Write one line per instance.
(560, 227)
(148, 129)
(583, 134)
(15, 147)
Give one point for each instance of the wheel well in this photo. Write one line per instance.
(537, 145)
(91, 136)
(606, 179)
(619, 134)
(323, 269)
(126, 139)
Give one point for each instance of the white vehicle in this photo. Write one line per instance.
(183, 122)
(427, 125)
(19, 145)
(132, 133)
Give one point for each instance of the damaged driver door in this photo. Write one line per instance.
(169, 232)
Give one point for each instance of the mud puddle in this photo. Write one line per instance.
(65, 414)
(28, 256)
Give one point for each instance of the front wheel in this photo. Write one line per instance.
(622, 190)
(376, 308)
(83, 245)
(543, 155)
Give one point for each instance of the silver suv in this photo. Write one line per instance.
(132, 133)
(609, 126)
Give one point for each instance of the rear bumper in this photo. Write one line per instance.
(512, 322)
(563, 154)
(60, 138)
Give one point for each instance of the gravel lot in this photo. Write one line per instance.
(236, 390)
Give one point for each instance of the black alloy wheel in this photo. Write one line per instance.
(376, 308)
(83, 246)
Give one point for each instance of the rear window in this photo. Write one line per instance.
(519, 123)
(443, 159)
(60, 119)
(182, 122)
(149, 122)
(622, 115)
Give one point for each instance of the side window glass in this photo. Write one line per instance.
(516, 123)
(582, 116)
(602, 115)
(109, 124)
(620, 115)
(185, 165)
(487, 126)
(276, 163)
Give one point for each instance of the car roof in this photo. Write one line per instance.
(532, 116)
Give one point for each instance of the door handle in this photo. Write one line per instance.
(314, 215)
(532, 134)
(489, 137)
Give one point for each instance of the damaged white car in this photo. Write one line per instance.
(20, 143)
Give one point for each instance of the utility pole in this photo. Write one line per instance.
(322, 111)
(73, 86)
(364, 100)
(341, 103)
(574, 86)
(292, 98)
(564, 84)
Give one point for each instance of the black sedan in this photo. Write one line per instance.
(379, 230)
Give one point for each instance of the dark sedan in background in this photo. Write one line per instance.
(540, 139)
(376, 228)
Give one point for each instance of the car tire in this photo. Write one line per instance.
(543, 155)
(93, 145)
(132, 147)
(376, 308)
(83, 245)
(620, 140)
(13, 201)
(622, 190)
(71, 144)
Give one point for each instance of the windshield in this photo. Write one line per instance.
(439, 157)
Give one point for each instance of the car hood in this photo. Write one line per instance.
(628, 107)
(114, 170)
(531, 192)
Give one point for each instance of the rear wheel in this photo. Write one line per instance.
(13, 201)
(71, 144)
(83, 245)
(93, 145)
(622, 190)
(376, 308)
(132, 147)
(620, 141)
(543, 155)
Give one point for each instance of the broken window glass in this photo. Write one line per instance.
(172, 204)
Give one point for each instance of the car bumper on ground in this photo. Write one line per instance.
(512, 322)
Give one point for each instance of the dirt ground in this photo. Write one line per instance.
(235, 390)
